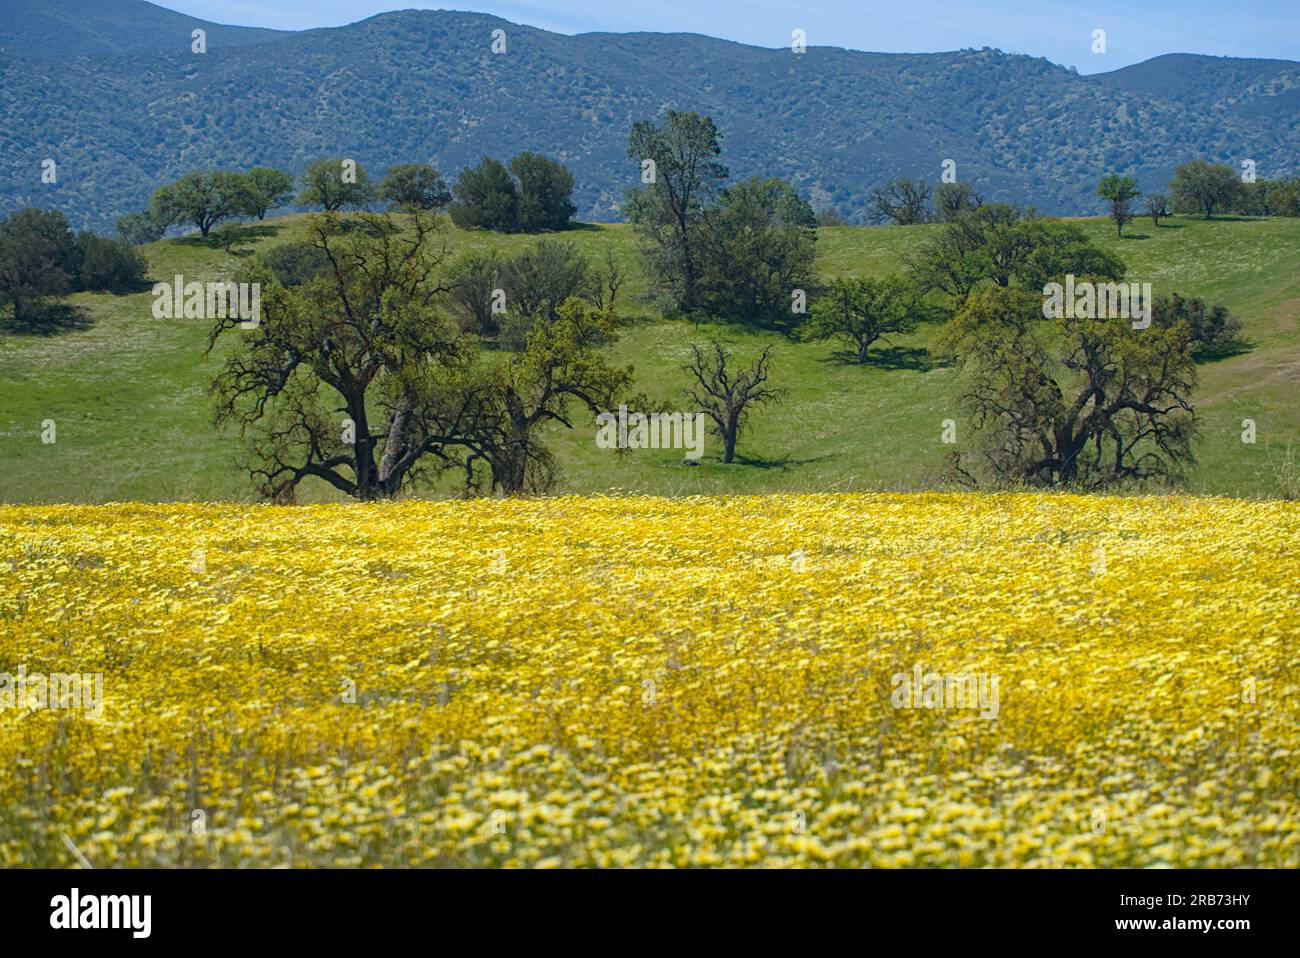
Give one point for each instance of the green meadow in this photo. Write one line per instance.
(128, 392)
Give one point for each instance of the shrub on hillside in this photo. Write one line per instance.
(537, 283)
(532, 195)
(1212, 330)
(295, 263)
(39, 259)
(545, 193)
(473, 282)
(486, 198)
(110, 265)
(140, 228)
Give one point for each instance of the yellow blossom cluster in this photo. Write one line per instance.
(655, 682)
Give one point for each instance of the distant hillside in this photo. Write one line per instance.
(111, 91)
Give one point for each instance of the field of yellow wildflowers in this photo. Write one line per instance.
(643, 681)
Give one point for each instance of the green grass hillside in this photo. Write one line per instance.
(128, 392)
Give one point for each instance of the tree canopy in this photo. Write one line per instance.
(1072, 402)
(999, 244)
(680, 173)
(202, 199)
(415, 186)
(356, 376)
(1119, 192)
(756, 248)
(336, 184)
(1205, 187)
(532, 195)
(862, 311)
(267, 189)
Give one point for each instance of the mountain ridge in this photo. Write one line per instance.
(414, 85)
(89, 28)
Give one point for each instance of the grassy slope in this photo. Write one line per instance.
(128, 391)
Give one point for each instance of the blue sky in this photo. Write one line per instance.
(1136, 30)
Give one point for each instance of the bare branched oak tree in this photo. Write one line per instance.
(726, 396)
(903, 201)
